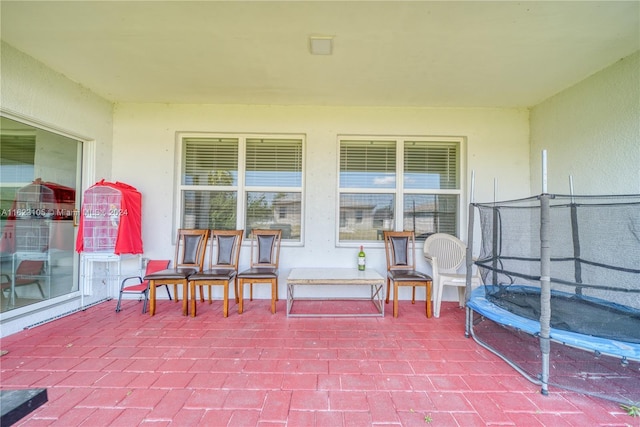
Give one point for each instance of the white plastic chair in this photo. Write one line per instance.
(446, 254)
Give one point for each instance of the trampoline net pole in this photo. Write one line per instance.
(545, 289)
(469, 263)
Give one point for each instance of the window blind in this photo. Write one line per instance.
(274, 162)
(431, 165)
(210, 161)
(17, 157)
(367, 164)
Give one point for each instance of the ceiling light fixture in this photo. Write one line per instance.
(321, 45)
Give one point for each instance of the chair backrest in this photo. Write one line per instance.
(265, 248)
(30, 268)
(400, 249)
(449, 251)
(156, 265)
(225, 248)
(190, 248)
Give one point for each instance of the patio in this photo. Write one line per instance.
(126, 369)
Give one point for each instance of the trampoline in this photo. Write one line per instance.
(561, 295)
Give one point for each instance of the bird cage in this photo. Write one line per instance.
(32, 235)
(101, 214)
(110, 220)
(32, 216)
(34, 203)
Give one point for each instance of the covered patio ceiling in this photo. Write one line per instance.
(384, 53)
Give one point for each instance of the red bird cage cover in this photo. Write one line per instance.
(110, 219)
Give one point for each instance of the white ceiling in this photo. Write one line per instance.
(385, 53)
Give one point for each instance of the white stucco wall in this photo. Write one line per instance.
(35, 93)
(144, 156)
(591, 131)
(39, 96)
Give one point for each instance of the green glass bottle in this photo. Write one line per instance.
(361, 259)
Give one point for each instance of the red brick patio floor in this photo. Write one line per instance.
(259, 369)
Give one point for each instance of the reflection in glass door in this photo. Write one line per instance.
(39, 189)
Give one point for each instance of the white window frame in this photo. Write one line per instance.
(240, 188)
(399, 191)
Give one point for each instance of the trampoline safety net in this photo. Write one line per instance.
(594, 279)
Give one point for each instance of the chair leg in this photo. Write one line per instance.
(235, 288)
(395, 299)
(428, 302)
(274, 296)
(413, 295)
(175, 291)
(169, 293)
(461, 300)
(41, 291)
(225, 297)
(119, 301)
(152, 298)
(185, 298)
(437, 298)
(240, 295)
(388, 290)
(251, 291)
(146, 301)
(192, 291)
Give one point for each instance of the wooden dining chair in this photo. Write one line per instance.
(400, 249)
(263, 268)
(224, 254)
(188, 260)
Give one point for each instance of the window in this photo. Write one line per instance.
(17, 157)
(398, 183)
(242, 181)
(17, 160)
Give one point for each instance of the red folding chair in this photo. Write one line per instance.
(142, 286)
(27, 273)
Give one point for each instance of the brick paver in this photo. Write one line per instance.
(107, 368)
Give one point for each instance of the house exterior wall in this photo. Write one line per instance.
(497, 146)
(591, 131)
(39, 96)
(44, 97)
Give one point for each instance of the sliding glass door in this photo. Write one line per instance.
(39, 190)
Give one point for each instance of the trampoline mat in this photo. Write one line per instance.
(574, 314)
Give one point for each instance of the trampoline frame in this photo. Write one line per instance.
(476, 301)
(599, 346)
